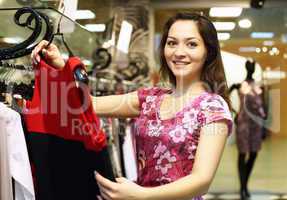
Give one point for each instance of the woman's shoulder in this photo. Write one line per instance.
(212, 100)
(153, 91)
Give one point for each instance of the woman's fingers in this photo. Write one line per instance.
(105, 183)
(105, 194)
(35, 53)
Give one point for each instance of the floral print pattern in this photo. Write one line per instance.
(170, 145)
(165, 162)
(190, 120)
(178, 134)
(154, 128)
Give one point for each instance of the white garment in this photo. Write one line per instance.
(5, 178)
(18, 156)
(129, 155)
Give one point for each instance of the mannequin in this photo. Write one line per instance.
(248, 126)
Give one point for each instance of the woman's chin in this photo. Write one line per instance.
(181, 72)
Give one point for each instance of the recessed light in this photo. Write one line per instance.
(245, 23)
(12, 40)
(96, 27)
(225, 12)
(262, 35)
(223, 36)
(224, 26)
(264, 49)
(247, 49)
(268, 43)
(84, 14)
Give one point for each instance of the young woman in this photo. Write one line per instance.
(181, 132)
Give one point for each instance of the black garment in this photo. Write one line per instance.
(64, 169)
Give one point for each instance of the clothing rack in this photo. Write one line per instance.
(15, 66)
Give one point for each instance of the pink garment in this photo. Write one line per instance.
(166, 148)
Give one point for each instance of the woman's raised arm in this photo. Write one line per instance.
(125, 105)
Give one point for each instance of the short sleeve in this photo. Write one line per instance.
(144, 92)
(214, 108)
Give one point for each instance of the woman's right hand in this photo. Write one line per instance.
(51, 54)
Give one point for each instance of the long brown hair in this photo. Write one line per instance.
(212, 74)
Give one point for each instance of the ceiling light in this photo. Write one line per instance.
(262, 35)
(247, 49)
(85, 14)
(96, 27)
(12, 40)
(224, 26)
(258, 50)
(274, 49)
(268, 43)
(271, 53)
(245, 23)
(225, 12)
(274, 74)
(223, 36)
(125, 37)
(264, 49)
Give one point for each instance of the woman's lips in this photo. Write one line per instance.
(180, 63)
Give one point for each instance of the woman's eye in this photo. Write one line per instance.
(191, 44)
(171, 43)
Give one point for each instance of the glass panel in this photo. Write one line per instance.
(81, 41)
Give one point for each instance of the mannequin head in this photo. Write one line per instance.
(250, 68)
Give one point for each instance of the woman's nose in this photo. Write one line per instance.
(180, 51)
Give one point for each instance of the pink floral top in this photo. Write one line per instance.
(166, 148)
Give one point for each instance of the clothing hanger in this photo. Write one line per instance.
(80, 75)
(59, 33)
(24, 48)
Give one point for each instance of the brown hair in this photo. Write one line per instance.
(212, 74)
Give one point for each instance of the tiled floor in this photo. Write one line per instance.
(254, 196)
(269, 177)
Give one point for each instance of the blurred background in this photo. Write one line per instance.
(130, 31)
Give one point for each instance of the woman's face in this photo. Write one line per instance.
(184, 51)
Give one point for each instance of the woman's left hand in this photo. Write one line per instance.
(122, 189)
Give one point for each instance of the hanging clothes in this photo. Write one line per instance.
(66, 143)
(129, 152)
(5, 175)
(62, 109)
(19, 165)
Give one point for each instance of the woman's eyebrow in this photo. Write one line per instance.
(188, 38)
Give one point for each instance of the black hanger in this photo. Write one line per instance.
(26, 47)
(80, 75)
(59, 33)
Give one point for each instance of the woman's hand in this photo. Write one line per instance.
(52, 55)
(122, 189)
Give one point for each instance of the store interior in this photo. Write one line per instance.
(118, 41)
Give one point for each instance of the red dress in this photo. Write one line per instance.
(60, 108)
(166, 148)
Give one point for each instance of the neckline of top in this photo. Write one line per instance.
(186, 105)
